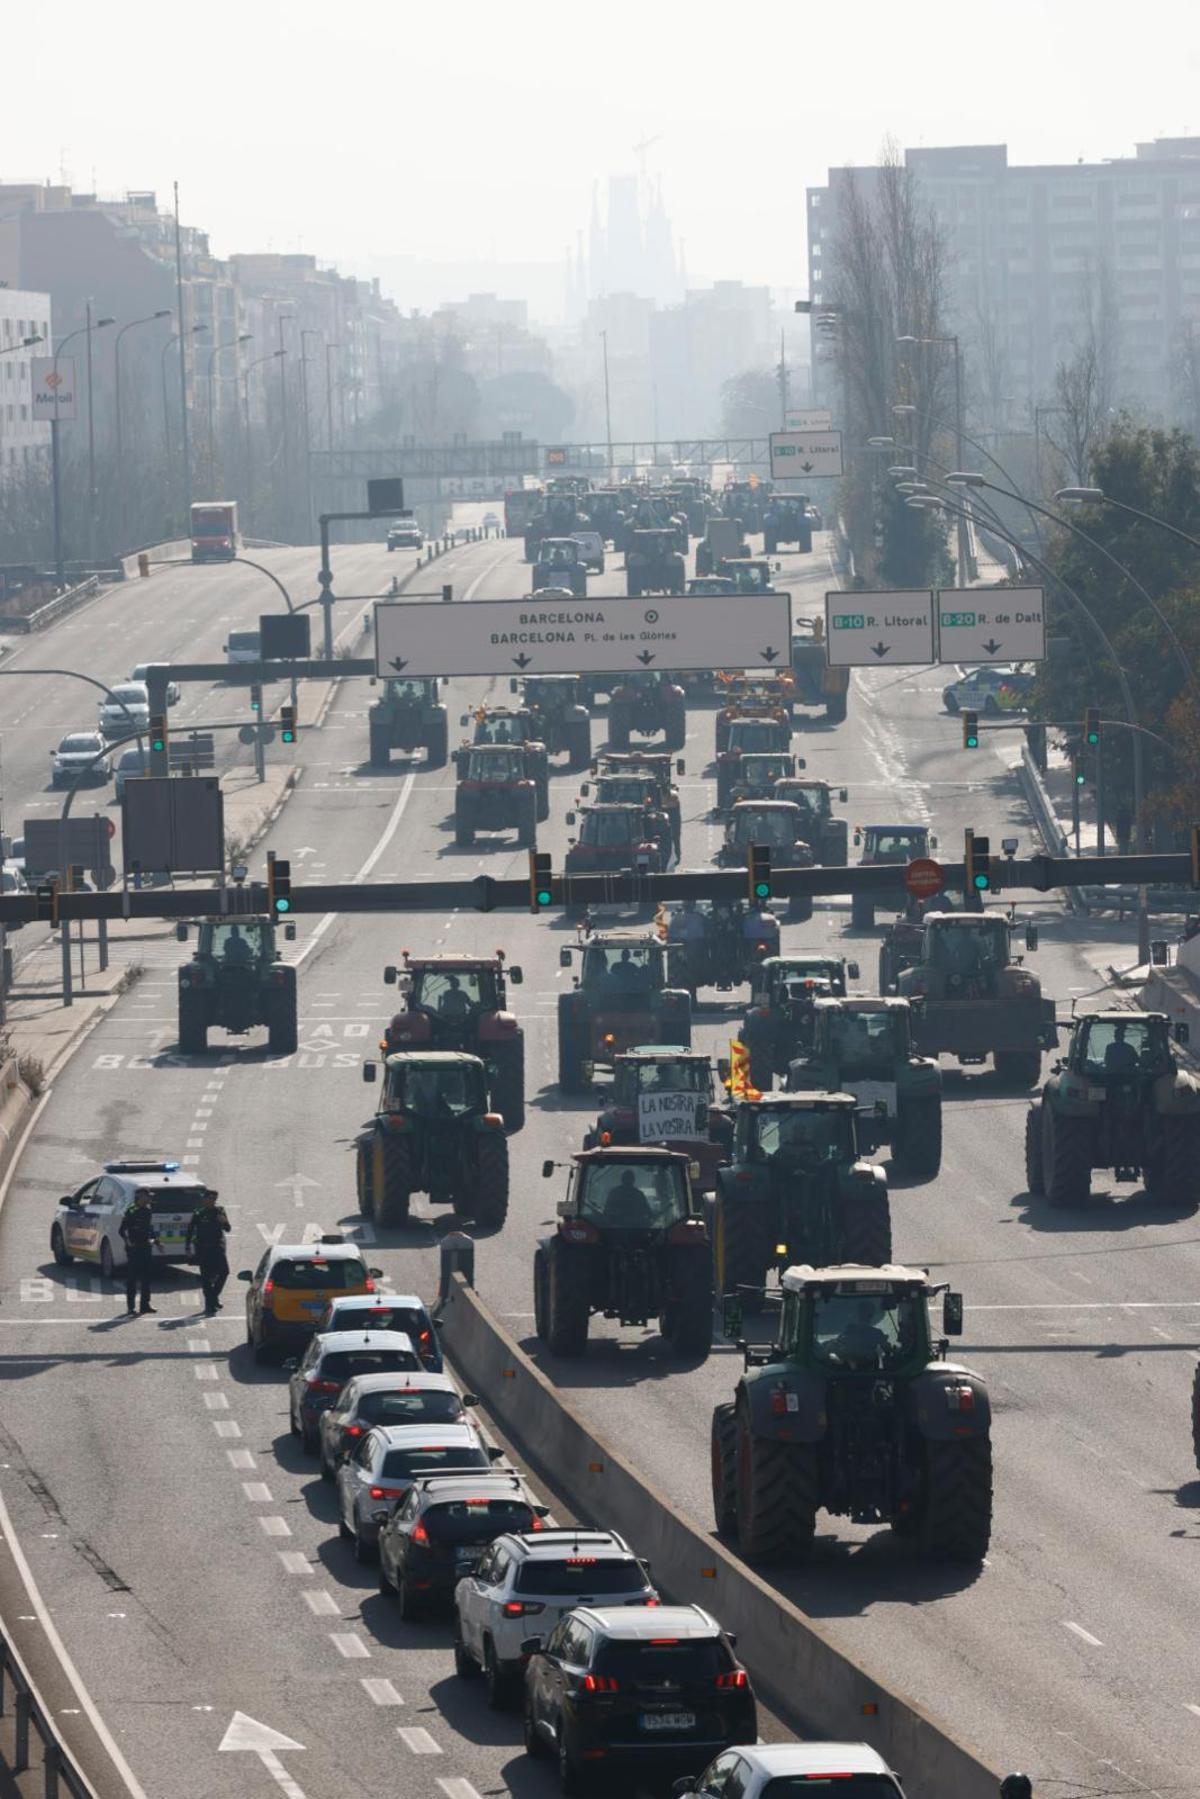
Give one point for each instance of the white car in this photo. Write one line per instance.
(82, 756)
(538, 1576)
(591, 548)
(87, 1223)
(243, 646)
(405, 534)
(139, 674)
(989, 690)
(128, 710)
(754, 1770)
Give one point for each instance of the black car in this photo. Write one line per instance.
(440, 1530)
(646, 1685)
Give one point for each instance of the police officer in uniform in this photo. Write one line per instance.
(137, 1230)
(206, 1233)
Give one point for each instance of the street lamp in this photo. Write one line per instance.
(56, 476)
(243, 337)
(150, 319)
(1096, 496)
(22, 343)
(329, 349)
(271, 356)
(931, 342)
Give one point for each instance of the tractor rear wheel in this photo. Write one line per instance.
(541, 1296)
(464, 832)
(1196, 1416)
(676, 727)
(956, 1506)
(578, 734)
(567, 1312)
(1181, 1162)
(491, 1180)
(380, 751)
(1066, 1157)
(391, 1178)
(572, 1051)
(917, 1149)
(743, 1253)
(1035, 1169)
(724, 1468)
(364, 1160)
(437, 747)
(835, 709)
(862, 911)
(687, 1315)
(508, 1087)
(1018, 1067)
(866, 1228)
(777, 1495)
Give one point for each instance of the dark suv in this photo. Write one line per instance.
(440, 1530)
(650, 1686)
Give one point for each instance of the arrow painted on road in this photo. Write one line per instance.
(880, 649)
(522, 661)
(398, 663)
(248, 1734)
(991, 648)
(646, 657)
(296, 1183)
(768, 655)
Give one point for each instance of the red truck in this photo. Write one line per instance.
(215, 536)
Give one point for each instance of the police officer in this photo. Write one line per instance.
(206, 1232)
(140, 1236)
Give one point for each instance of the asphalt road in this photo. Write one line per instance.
(189, 1554)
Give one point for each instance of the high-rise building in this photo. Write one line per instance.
(1036, 251)
(22, 440)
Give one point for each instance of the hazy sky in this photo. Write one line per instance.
(371, 132)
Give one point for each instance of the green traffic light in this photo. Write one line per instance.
(543, 896)
(762, 890)
(289, 736)
(283, 905)
(981, 883)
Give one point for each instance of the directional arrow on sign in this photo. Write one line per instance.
(880, 649)
(398, 663)
(522, 661)
(992, 647)
(807, 467)
(768, 655)
(247, 1734)
(647, 657)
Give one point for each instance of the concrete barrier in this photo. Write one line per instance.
(810, 1682)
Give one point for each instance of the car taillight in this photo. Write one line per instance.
(369, 1284)
(578, 1230)
(516, 1608)
(537, 1524)
(420, 1534)
(323, 1386)
(385, 1492)
(599, 1683)
(425, 1337)
(737, 1677)
(353, 1430)
(268, 1289)
(960, 1399)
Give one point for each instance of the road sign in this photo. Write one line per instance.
(84, 844)
(542, 636)
(110, 825)
(810, 418)
(53, 383)
(879, 630)
(173, 824)
(385, 494)
(557, 457)
(805, 455)
(195, 751)
(924, 877)
(992, 624)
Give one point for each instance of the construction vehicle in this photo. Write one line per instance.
(628, 991)
(461, 1002)
(647, 703)
(408, 716)
(854, 1410)
(560, 564)
(977, 997)
(434, 1133)
(817, 683)
(864, 1046)
(236, 980)
(1118, 1100)
(631, 1244)
(795, 1186)
(560, 718)
(662, 1094)
(497, 791)
(722, 540)
(654, 563)
(786, 520)
(778, 1025)
(894, 846)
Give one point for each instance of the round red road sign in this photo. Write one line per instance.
(924, 877)
(110, 825)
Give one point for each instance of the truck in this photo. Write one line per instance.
(214, 531)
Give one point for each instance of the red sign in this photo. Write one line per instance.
(924, 877)
(110, 825)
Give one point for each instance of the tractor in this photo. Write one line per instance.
(408, 717)
(516, 725)
(895, 846)
(647, 703)
(629, 990)
(864, 1046)
(560, 718)
(560, 564)
(663, 1094)
(236, 980)
(977, 997)
(653, 563)
(625, 839)
(786, 520)
(826, 836)
(1120, 1101)
(854, 1410)
(778, 1025)
(817, 683)
(497, 791)
(434, 1133)
(460, 1002)
(631, 1244)
(775, 825)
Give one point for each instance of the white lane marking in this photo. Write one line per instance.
(322, 1604)
(259, 1739)
(217, 1402)
(257, 1492)
(88, 1704)
(1195, 1709)
(348, 1644)
(389, 831)
(417, 1740)
(458, 1789)
(295, 1561)
(225, 1427)
(1084, 1635)
(199, 1346)
(381, 1692)
(204, 1370)
(276, 1527)
(240, 1458)
(1095, 1305)
(480, 578)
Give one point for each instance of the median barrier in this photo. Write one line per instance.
(816, 1688)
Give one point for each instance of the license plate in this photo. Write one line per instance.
(314, 1309)
(668, 1720)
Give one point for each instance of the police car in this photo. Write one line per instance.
(989, 690)
(87, 1223)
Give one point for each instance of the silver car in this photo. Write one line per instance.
(81, 756)
(127, 711)
(379, 1472)
(131, 763)
(318, 1376)
(371, 1399)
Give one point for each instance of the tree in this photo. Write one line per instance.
(750, 404)
(1086, 383)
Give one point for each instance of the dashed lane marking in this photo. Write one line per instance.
(1085, 1636)
(349, 1645)
(418, 1741)
(381, 1692)
(322, 1604)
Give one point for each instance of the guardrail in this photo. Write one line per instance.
(58, 607)
(27, 1715)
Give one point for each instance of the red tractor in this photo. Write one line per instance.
(460, 1003)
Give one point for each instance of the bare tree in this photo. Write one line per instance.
(749, 403)
(1086, 384)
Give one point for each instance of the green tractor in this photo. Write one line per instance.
(778, 1025)
(408, 716)
(1119, 1100)
(977, 997)
(864, 1046)
(434, 1132)
(631, 1244)
(236, 980)
(563, 722)
(631, 989)
(856, 1411)
(796, 1187)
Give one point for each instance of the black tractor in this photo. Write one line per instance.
(236, 980)
(654, 564)
(796, 1189)
(434, 1133)
(786, 520)
(647, 703)
(408, 716)
(631, 1244)
(854, 1410)
(560, 718)
(778, 1025)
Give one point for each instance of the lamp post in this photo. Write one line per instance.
(329, 349)
(270, 356)
(963, 540)
(1096, 496)
(243, 337)
(281, 319)
(55, 469)
(150, 319)
(174, 338)
(607, 406)
(308, 493)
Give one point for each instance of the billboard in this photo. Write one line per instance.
(53, 379)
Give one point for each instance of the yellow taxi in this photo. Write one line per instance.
(292, 1286)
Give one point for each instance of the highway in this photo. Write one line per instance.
(189, 1553)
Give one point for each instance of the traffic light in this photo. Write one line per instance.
(75, 878)
(279, 885)
(46, 895)
(977, 856)
(1091, 727)
(758, 873)
(287, 723)
(255, 697)
(1079, 770)
(541, 893)
(970, 730)
(158, 733)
